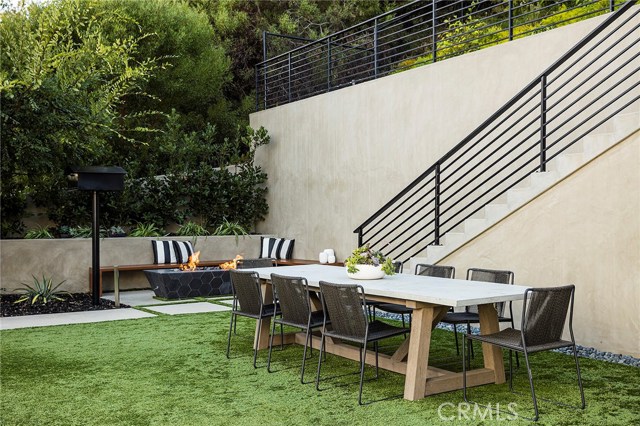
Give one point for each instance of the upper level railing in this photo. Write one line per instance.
(414, 34)
(580, 92)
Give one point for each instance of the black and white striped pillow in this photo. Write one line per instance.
(276, 248)
(163, 252)
(183, 249)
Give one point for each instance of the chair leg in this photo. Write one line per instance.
(375, 347)
(319, 362)
(533, 392)
(273, 330)
(234, 318)
(304, 356)
(464, 369)
(511, 369)
(229, 339)
(455, 334)
(470, 342)
(281, 336)
(575, 357)
(255, 350)
(363, 349)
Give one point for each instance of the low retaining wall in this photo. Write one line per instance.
(70, 259)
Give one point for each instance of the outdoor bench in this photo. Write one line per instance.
(116, 269)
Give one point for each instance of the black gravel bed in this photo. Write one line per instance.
(73, 302)
(582, 351)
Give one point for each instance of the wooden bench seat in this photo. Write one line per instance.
(142, 267)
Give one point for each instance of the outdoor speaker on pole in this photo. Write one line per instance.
(96, 179)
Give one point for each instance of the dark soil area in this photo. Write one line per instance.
(74, 302)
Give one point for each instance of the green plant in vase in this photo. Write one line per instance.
(366, 256)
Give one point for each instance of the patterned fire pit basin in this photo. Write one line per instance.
(177, 284)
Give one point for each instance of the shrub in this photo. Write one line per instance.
(38, 232)
(145, 230)
(42, 291)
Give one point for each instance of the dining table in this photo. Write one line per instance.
(430, 298)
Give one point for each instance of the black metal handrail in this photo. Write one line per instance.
(414, 34)
(581, 91)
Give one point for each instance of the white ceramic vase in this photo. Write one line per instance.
(367, 272)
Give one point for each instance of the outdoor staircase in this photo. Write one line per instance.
(579, 107)
(619, 128)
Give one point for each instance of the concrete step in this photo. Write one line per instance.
(473, 226)
(453, 238)
(625, 124)
(565, 164)
(595, 144)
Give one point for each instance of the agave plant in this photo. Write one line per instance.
(42, 290)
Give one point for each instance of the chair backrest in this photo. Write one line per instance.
(545, 313)
(345, 304)
(292, 293)
(397, 267)
(246, 288)
(491, 276)
(256, 263)
(440, 271)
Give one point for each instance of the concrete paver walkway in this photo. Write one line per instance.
(141, 298)
(44, 320)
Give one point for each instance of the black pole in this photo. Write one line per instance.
(95, 250)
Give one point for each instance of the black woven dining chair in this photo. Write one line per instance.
(544, 315)
(440, 271)
(251, 264)
(292, 295)
(248, 302)
(470, 314)
(346, 305)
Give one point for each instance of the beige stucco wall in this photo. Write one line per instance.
(336, 158)
(584, 231)
(70, 259)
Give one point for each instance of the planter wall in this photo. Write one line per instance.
(70, 259)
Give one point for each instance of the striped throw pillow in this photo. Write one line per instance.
(276, 248)
(163, 252)
(183, 249)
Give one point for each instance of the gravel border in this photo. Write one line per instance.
(583, 351)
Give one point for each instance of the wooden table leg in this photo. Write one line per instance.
(418, 356)
(492, 354)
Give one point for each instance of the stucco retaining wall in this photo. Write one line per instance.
(70, 259)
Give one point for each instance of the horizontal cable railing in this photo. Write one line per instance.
(417, 33)
(597, 79)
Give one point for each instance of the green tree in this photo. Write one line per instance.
(62, 85)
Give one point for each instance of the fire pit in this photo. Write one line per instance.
(190, 281)
(177, 284)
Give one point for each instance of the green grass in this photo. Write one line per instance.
(171, 370)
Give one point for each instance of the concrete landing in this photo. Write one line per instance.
(188, 308)
(71, 318)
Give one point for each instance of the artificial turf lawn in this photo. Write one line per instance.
(171, 370)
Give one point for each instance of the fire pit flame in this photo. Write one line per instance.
(232, 264)
(191, 265)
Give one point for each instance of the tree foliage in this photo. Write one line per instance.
(62, 85)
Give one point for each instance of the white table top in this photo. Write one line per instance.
(440, 291)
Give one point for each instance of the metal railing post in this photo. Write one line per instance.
(434, 33)
(543, 123)
(436, 221)
(329, 64)
(612, 5)
(375, 48)
(359, 237)
(289, 75)
(257, 96)
(510, 20)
